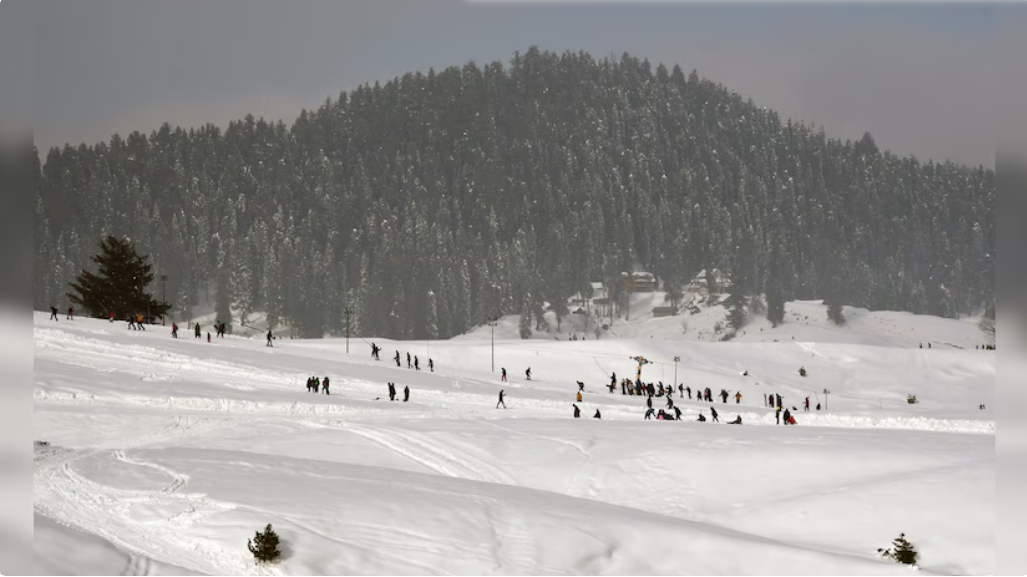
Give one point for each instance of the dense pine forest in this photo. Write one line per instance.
(434, 201)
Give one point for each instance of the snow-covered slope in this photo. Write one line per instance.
(172, 452)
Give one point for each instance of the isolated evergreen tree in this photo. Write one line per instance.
(264, 545)
(120, 286)
(735, 304)
(525, 324)
(987, 323)
(901, 551)
(834, 312)
(775, 303)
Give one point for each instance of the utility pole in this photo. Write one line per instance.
(348, 313)
(676, 361)
(163, 295)
(826, 393)
(492, 325)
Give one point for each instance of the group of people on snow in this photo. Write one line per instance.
(315, 385)
(416, 364)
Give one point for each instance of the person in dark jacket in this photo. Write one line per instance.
(577, 411)
(501, 401)
(677, 413)
(787, 416)
(417, 364)
(649, 414)
(71, 313)
(701, 418)
(597, 415)
(431, 365)
(270, 337)
(409, 364)
(504, 376)
(397, 359)
(713, 413)
(174, 330)
(324, 385)
(53, 313)
(406, 393)
(392, 391)
(196, 330)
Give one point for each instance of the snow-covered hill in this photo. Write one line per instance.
(170, 453)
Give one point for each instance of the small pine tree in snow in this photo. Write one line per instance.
(264, 546)
(901, 551)
(834, 312)
(911, 399)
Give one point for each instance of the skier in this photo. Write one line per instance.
(174, 330)
(649, 414)
(501, 401)
(597, 415)
(417, 366)
(409, 365)
(397, 360)
(527, 373)
(71, 313)
(324, 386)
(738, 397)
(392, 391)
(431, 365)
(713, 413)
(805, 406)
(577, 412)
(53, 313)
(270, 337)
(406, 393)
(504, 375)
(197, 327)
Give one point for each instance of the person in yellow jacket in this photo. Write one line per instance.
(738, 397)
(139, 321)
(579, 396)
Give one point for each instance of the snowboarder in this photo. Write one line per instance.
(527, 373)
(392, 391)
(174, 330)
(417, 365)
(197, 330)
(53, 313)
(270, 337)
(649, 414)
(397, 360)
(577, 412)
(504, 375)
(501, 394)
(738, 397)
(431, 365)
(71, 313)
(713, 413)
(805, 406)
(597, 415)
(406, 393)
(324, 385)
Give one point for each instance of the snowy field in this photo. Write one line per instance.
(166, 455)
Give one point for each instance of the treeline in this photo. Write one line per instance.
(434, 201)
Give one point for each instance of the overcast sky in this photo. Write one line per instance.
(920, 78)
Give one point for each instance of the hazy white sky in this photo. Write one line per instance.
(920, 78)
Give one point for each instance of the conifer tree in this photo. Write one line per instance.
(120, 287)
(264, 545)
